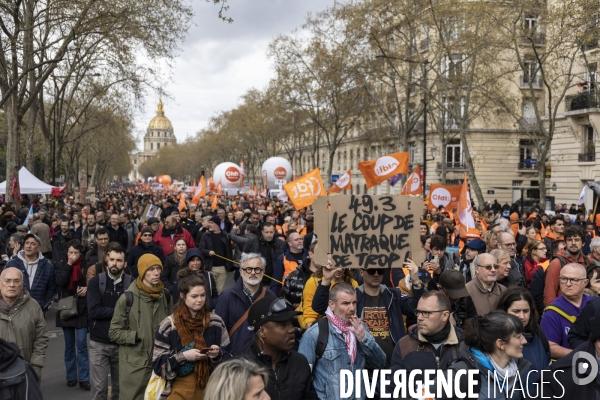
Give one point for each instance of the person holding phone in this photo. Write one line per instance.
(188, 343)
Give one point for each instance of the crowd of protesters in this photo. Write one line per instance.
(140, 299)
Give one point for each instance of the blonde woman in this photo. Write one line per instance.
(237, 379)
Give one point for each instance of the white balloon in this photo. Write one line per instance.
(276, 168)
(229, 174)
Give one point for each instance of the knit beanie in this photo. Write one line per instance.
(147, 230)
(146, 262)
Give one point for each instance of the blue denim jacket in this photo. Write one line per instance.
(335, 358)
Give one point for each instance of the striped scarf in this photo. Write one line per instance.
(343, 327)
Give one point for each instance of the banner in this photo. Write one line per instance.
(242, 170)
(414, 184)
(220, 189)
(215, 202)
(182, 204)
(377, 171)
(444, 195)
(344, 183)
(303, 191)
(465, 213)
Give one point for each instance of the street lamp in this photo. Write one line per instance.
(423, 63)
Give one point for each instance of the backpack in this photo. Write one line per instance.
(129, 303)
(127, 279)
(322, 340)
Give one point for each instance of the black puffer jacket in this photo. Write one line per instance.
(294, 284)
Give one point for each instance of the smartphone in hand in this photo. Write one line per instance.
(205, 350)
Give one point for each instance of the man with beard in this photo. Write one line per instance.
(290, 377)
(88, 234)
(167, 235)
(349, 344)
(235, 301)
(145, 245)
(59, 242)
(96, 255)
(215, 246)
(574, 238)
(506, 241)
(557, 228)
(289, 261)
(102, 294)
(268, 246)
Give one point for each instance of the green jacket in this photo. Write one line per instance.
(135, 359)
(25, 325)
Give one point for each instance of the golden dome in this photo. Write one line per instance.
(160, 121)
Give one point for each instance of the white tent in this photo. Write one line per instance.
(29, 184)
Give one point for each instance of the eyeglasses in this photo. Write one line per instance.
(489, 266)
(147, 235)
(426, 314)
(513, 244)
(373, 271)
(251, 270)
(574, 281)
(15, 281)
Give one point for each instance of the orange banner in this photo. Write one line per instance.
(220, 189)
(345, 182)
(377, 171)
(303, 191)
(215, 202)
(414, 184)
(211, 185)
(200, 191)
(465, 213)
(444, 195)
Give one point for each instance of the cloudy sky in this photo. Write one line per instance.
(219, 61)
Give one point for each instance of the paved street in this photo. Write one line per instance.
(54, 382)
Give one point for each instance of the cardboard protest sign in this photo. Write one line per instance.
(150, 211)
(365, 231)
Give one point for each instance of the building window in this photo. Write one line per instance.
(351, 158)
(590, 77)
(517, 183)
(135, 161)
(530, 24)
(527, 158)
(454, 154)
(530, 72)
(357, 188)
(151, 146)
(157, 146)
(589, 143)
(411, 153)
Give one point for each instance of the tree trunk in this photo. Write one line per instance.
(542, 183)
(29, 136)
(471, 170)
(443, 162)
(12, 144)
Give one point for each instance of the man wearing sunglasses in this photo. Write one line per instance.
(483, 289)
(145, 246)
(270, 319)
(380, 307)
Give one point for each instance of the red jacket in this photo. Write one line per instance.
(167, 244)
(531, 266)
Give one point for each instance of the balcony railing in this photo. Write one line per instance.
(581, 101)
(587, 157)
(527, 166)
(590, 46)
(535, 82)
(537, 39)
(452, 165)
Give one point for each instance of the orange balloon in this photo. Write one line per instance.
(164, 180)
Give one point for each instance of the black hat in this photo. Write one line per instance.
(147, 230)
(153, 220)
(477, 245)
(453, 283)
(216, 220)
(270, 309)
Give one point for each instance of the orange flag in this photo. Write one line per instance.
(303, 191)
(465, 213)
(215, 202)
(219, 188)
(345, 182)
(414, 184)
(377, 171)
(200, 191)
(211, 185)
(182, 203)
(444, 195)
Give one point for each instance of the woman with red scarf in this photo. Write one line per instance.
(71, 280)
(188, 344)
(536, 258)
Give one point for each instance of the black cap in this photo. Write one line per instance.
(147, 230)
(259, 312)
(453, 283)
(153, 220)
(31, 235)
(216, 220)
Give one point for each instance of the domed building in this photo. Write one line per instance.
(158, 134)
